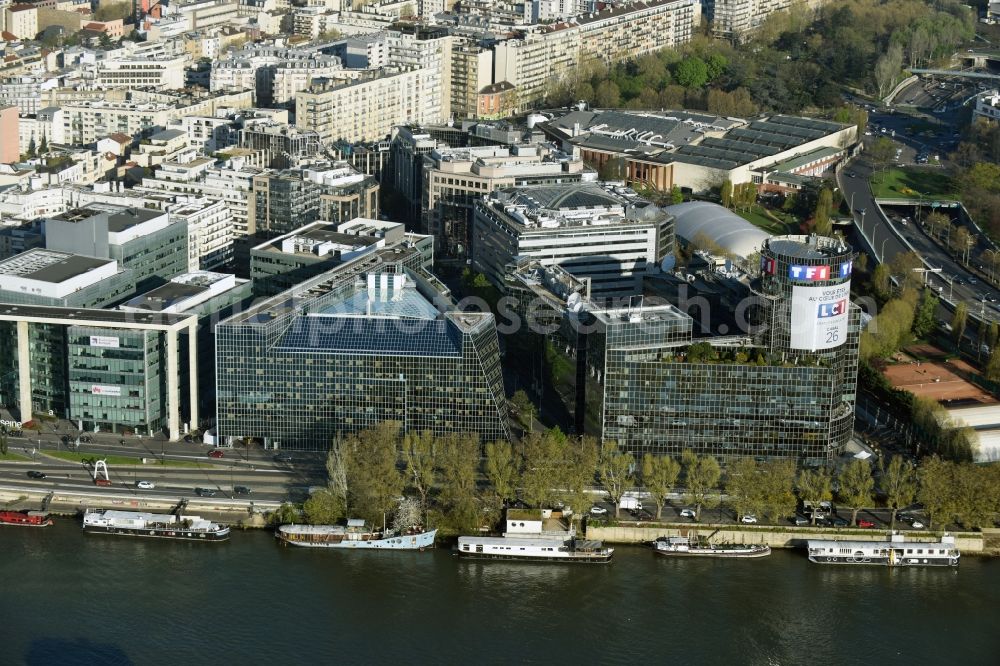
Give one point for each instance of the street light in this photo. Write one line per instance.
(881, 256)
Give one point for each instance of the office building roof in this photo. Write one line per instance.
(50, 266)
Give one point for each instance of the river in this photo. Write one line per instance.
(74, 598)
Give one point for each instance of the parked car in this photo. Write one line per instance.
(749, 519)
(215, 453)
(145, 485)
(800, 520)
(865, 523)
(204, 492)
(35, 474)
(284, 458)
(840, 522)
(242, 490)
(598, 511)
(917, 525)
(688, 513)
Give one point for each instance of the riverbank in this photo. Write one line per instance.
(238, 513)
(973, 543)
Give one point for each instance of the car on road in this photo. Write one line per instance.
(865, 523)
(215, 453)
(917, 525)
(35, 474)
(840, 522)
(800, 521)
(284, 458)
(145, 485)
(598, 511)
(242, 490)
(688, 513)
(749, 519)
(204, 492)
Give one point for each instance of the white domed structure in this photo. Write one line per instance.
(724, 227)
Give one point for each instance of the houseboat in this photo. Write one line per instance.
(896, 552)
(355, 535)
(680, 546)
(25, 518)
(155, 525)
(535, 535)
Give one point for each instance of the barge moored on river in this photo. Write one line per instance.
(155, 525)
(534, 550)
(692, 547)
(896, 552)
(355, 536)
(25, 518)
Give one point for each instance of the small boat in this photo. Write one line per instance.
(156, 525)
(355, 535)
(896, 552)
(693, 547)
(25, 518)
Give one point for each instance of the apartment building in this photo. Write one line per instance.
(296, 75)
(134, 71)
(210, 232)
(736, 20)
(455, 178)
(282, 145)
(21, 21)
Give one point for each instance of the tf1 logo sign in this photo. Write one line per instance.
(834, 309)
(814, 273)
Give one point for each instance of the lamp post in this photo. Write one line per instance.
(881, 256)
(992, 262)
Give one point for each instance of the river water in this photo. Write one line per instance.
(72, 598)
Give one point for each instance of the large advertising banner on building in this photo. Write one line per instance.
(819, 316)
(103, 341)
(115, 391)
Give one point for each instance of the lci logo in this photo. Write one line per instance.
(832, 309)
(813, 273)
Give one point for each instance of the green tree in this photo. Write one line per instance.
(659, 475)
(992, 334)
(31, 147)
(814, 489)
(615, 470)
(743, 487)
(900, 485)
(3, 445)
(525, 409)
(375, 481)
(935, 491)
(324, 508)
(726, 193)
(882, 282)
(924, 319)
(459, 461)
(974, 493)
(543, 454)
(607, 95)
(777, 489)
(577, 474)
(882, 152)
(992, 371)
(856, 486)
(691, 72)
(676, 196)
(285, 514)
(502, 470)
(419, 449)
(44, 147)
(824, 205)
(407, 12)
(959, 321)
(701, 477)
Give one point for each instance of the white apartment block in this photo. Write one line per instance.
(21, 21)
(538, 59)
(294, 76)
(199, 179)
(736, 20)
(84, 124)
(367, 109)
(131, 72)
(210, 231)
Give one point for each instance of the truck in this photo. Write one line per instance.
(629, 503)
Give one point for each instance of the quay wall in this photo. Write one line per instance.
(245, 513)
(973, 543)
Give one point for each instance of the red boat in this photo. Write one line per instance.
(25, 518)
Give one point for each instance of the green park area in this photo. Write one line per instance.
(8, 456)
(913, 183)
(758, 216)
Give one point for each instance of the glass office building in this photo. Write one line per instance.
(785, 388)
(366, 342)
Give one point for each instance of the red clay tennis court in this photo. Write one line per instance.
(935, 380)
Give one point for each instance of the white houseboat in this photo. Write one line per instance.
(897, 552)
(355, 535)
(535, 535)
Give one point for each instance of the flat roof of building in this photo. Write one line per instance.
(807, 247)
(572, 205)
(50, 265)
(83, 316)
(119, 218)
